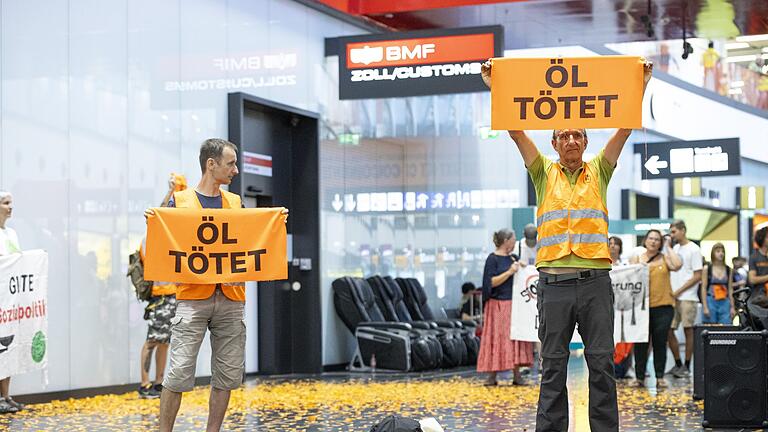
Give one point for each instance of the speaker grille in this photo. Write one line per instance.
(742, 357)
(744, 405)
(735, 379)
(722, 381)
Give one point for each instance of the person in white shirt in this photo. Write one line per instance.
(616, 246)
(527, 246)
(686, 284)
(9, 243)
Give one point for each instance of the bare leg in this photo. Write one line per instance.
(5, 386)
(217, 409)
(674, 346)
(146, 361)
(170, 402)
(161, 356)
(688, 344)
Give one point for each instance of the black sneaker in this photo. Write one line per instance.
(6, 408)
(13, 403)
(148, 392)
(158, 388)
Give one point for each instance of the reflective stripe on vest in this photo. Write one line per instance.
(575, 238)
(575, 214)
(234, 291)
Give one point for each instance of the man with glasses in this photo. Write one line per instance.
(573, 260)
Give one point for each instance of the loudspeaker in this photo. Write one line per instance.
(698, 355)
(736, 384)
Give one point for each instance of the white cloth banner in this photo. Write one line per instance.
(23, 312)
(525, 315)
(631, 298)
(630, 289)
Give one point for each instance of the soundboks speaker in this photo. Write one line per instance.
(698, 355)
(736, 383)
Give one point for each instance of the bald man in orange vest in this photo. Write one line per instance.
(573, 262)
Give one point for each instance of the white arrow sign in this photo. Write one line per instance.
(653, 164)
(337, 203)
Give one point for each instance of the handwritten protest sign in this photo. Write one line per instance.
(584, 92)
(24, 312)
(204, 246)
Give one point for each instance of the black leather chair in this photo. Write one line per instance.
(415, 298)
(395, 345)
(389, 298)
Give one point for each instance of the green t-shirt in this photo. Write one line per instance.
(538, 171)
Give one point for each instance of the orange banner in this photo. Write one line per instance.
(206, 246)
(559, 93)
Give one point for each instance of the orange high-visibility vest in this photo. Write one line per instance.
(234, 291)
(158, 288)
(572, 219)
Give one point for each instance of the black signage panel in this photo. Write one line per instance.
(675, 159)
(416, 63)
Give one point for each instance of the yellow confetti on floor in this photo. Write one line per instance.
(459, 403)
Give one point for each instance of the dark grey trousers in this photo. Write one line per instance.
(561, 305)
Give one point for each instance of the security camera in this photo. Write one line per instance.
(687, 49)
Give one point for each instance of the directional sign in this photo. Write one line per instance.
(674, 159)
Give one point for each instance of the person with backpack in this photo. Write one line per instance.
(718, 284)
(161, 307)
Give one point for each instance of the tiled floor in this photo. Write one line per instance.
(353, 402)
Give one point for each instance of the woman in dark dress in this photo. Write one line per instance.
(497, 351)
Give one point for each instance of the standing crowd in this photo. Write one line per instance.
(685, 289)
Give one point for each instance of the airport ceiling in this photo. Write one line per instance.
(538, 23)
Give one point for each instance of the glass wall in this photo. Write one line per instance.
(100, 101)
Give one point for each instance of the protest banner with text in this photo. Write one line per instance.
(23, 312)
(631, 305)
(560, 93)
(204, 246)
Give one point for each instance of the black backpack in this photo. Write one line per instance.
(141, 287)
(396, 423)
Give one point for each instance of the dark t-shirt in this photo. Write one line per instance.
(759, 263)
(494, 266)
(466, 310)
(205, 201)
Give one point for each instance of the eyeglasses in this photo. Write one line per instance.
(577, 135)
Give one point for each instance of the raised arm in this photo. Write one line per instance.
(616, 144)
(525, 145)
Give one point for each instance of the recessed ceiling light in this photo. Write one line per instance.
(738, 59)
(752, 38)
(736, 45)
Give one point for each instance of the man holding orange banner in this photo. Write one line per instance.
(209, 254)
(573, 258)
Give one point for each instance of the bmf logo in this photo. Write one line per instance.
(368, 54)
